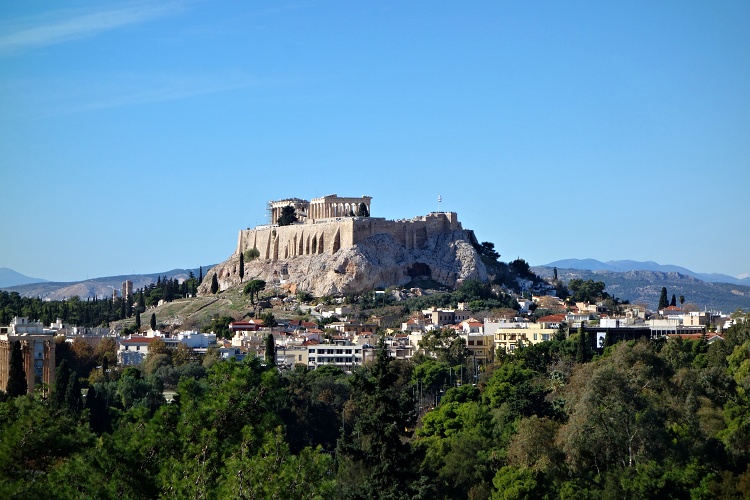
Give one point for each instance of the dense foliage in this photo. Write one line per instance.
(648, 419)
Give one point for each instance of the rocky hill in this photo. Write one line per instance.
(644, 287)
(377, 261)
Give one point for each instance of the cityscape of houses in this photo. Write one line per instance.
(348, 344)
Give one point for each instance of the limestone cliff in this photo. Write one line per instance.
(378, 260)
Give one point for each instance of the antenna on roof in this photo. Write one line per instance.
(440, 198)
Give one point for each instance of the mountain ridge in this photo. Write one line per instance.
(9, 277)
(96, 287)
(644, 287)
(634, 265)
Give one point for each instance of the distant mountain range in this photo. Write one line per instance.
(620, 266)
(96, 287)
(9, 277)
(643, 286)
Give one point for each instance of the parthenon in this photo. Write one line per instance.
(327, 207)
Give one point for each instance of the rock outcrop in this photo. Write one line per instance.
(447, 257)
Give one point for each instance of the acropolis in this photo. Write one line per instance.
(332, 222)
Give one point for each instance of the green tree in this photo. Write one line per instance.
(362, 210)
(487, 249)
(663, 300)
(616, 410)
(73, 402)
(587, 291)
(446, 345)
(273, 472)
(242, 266)
(220, 326)
(62, 378)
(269, 320)
(270, 350)
(252, 254)
(16, 374)
(138, 321)
(288, 216)
(673, 302)
(253, 288)
(153, 321)
(474, 290)
(582, 348)
(214, 284)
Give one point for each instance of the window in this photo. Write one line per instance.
(471, 342)
(312, 360)
(535, 334)
(312, 351)
(480, 342)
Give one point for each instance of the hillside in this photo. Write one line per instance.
(644, 287)
(96, 287)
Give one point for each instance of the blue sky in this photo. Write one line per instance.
(141, 136)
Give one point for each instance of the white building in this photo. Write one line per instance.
(343, 354)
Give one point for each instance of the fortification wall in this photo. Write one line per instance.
(327, 237)
(285, 242)
(409, 233)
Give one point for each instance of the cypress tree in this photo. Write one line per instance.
(99, 418)
(242, 266)
(582, 348)
(62, 378)
(153, 322)
(16, 374)
(214, 284)
(73, 395)
(138, 321)
(674, 301)
(663, 300)
(200, 275)
(270, 350)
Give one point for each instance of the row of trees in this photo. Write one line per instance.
(87, 313)
(664, 302)
(93, 311)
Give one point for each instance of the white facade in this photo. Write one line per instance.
(345, 355)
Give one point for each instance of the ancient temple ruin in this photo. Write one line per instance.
(331, 206)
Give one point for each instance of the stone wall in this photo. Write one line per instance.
(327, 237)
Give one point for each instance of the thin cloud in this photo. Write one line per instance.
(72, 25)
(166, 88)
(88, 93)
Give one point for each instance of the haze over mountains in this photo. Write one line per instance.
(9, 277)
(94, 287)
(619, 266)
